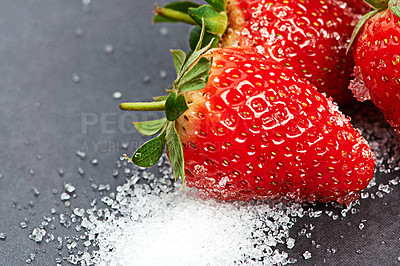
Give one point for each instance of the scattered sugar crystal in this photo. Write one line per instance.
(69, 188)
(37, 234)
(358, 87)
(164, 31)
(385, 188)
(163, 74)
(87, 243)
(79, 212)
(290, 242)
(108, 49)
(394, 182)
(127, 171)
(76, 78)
(60, 242)
(361, 226)
(81, 154)
(23, 225)
(79, 32)
(80, 171)
(307, 255)
(65, 196)
(117, 95)
(36, 192)
(115, 173)
(146, 79)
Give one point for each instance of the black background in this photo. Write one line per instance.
(42, 125)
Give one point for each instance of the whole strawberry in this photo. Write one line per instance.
(377, 55)
(254, 130)
(310, 37)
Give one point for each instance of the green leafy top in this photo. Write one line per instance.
(192, 74)
(377, 5)
(213, 16)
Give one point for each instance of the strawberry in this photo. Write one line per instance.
(358, 6)
(309, 36)
(252, 129)
(376, 52)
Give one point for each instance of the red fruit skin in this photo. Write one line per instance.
(258, 131)
(309, 36)
(377, 54)
(357, 6)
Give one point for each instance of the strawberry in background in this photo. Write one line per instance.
(376, 52)
(310, 37)
(358, 6)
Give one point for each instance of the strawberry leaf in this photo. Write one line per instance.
(175, 106)
(150, 128)
(214, 21)
(201, 36)
(179, 57)
(193, 85)
(192, 60)
(181, 6)
(175, 150)
(198, 71)
(359, 26)
(195, 36)
(150, 152)
(394, 6)
(217, 4)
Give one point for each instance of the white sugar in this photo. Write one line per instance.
(151, 227)
(307, 255)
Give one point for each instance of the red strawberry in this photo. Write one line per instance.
(377, 56)
(308, 36)
(358, 6)
(256, 131)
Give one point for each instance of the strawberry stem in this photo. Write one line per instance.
(174, 15)
(143, 106)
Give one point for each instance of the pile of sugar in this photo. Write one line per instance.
(158, 224)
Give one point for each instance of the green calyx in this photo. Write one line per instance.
(377, 5)
(192, 74)
(212, 15)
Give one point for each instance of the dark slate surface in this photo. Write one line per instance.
(46, 117)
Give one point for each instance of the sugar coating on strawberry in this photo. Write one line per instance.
(308, 36)
(259, 131)
(377, 56)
